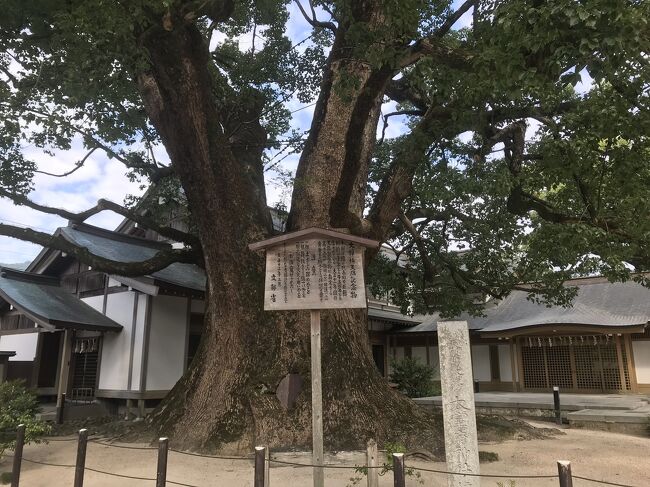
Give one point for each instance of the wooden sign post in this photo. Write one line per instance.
(314, 269)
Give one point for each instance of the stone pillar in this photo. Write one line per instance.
(461, 443)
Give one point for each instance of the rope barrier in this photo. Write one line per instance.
(330, 466)
(130, 477)
(61, 439)
(325, 465)
(602, 482)
(179, 483)
(445, 472)
(180, 452)
(217, 457)
(103, 472)
(125, 447)
(45, 463)
(294, 464)
(495, 476)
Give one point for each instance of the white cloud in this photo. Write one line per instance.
(397, 124)
(100, 177)
(532, 127)
(465, 20)
(586, 83)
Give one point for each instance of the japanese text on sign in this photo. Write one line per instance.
(314, 274)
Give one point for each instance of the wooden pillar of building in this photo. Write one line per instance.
(574, 367)
(141, 409)
(37, 362)
(64, 369)
(619, 359)
(520, 364)
(629, 356)
(513, 363)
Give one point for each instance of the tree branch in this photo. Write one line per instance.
(103, 205)
(520, 202)
(583, 189)
(397, 113)
(429, 269)
(313, 21)
(78, 165)
(440, 216)
(453, 18)
(155, 173)
(435, 48)
(161, 260)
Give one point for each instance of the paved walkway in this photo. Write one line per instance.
(569, 402)
(626, 413)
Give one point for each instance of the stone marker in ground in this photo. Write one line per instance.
(461, 443)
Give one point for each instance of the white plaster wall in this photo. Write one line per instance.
(23, 345)
(112, 282)
(166, 342)
(96, 302)
(481, 362)
(138, 345)
(505, 365)
(114, 369)
(641, 350)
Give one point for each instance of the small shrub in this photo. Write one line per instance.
(18, 405)
(387, 466)
(413, 378)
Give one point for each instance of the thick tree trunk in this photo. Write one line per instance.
(227, 398)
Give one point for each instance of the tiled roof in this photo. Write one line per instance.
(390, 315)
(597, 304)
(42, 299)
(125, 248)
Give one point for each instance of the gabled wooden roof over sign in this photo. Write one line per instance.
(315, 268)
(313, 232)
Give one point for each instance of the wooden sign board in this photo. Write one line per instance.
(314, 273)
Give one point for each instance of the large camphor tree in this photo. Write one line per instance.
(523, 158)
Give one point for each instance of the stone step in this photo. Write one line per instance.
(610, 416)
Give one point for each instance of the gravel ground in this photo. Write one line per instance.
(598, 455)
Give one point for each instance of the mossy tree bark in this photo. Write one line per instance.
(226, 399)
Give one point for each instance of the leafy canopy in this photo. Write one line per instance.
(526, 133)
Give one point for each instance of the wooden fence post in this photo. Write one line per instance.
(371, 460)
(398, 470)
(161, 472)
(260, 466)
(18, 455)
(267, 469)
(564, 472)
(81, 458)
